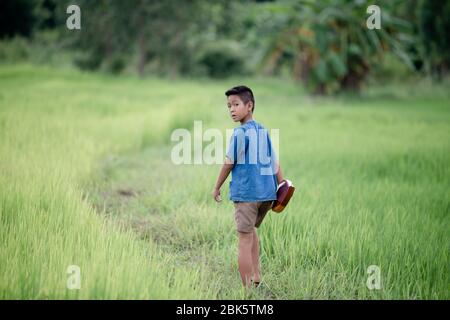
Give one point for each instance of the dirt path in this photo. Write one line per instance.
(169, 205)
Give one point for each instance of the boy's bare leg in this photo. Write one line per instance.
(255, 257)
(245, 257)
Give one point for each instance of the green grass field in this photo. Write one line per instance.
(86, 179)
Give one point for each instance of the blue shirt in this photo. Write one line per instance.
(253, 177)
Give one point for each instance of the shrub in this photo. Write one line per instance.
(222, 59)
(14, 49)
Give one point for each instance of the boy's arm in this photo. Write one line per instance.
(279, 174)
(223, 175)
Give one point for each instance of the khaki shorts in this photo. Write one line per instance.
(249, 215)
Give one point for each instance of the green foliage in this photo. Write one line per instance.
(88, 61)
(13, 50)
(434, 29)
(328, 44)
(25, 17)
(16, 18)
(117, 64)
(324, 44)
(222, 59)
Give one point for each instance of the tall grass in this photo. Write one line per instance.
(86, 179)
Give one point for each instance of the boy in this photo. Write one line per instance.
(255, 177)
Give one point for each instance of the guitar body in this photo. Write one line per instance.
(284, 193)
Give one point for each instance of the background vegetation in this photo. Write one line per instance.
(325, 45)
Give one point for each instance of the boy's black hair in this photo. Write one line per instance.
(244, 92)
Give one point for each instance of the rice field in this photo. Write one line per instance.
(86, 179)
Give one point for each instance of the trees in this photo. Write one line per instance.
(434, 28)
(324, 44)
(21, 17)
(117, 32)
(327, 45)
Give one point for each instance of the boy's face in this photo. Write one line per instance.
(238, 110)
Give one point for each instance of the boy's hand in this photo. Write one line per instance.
(216, 195)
